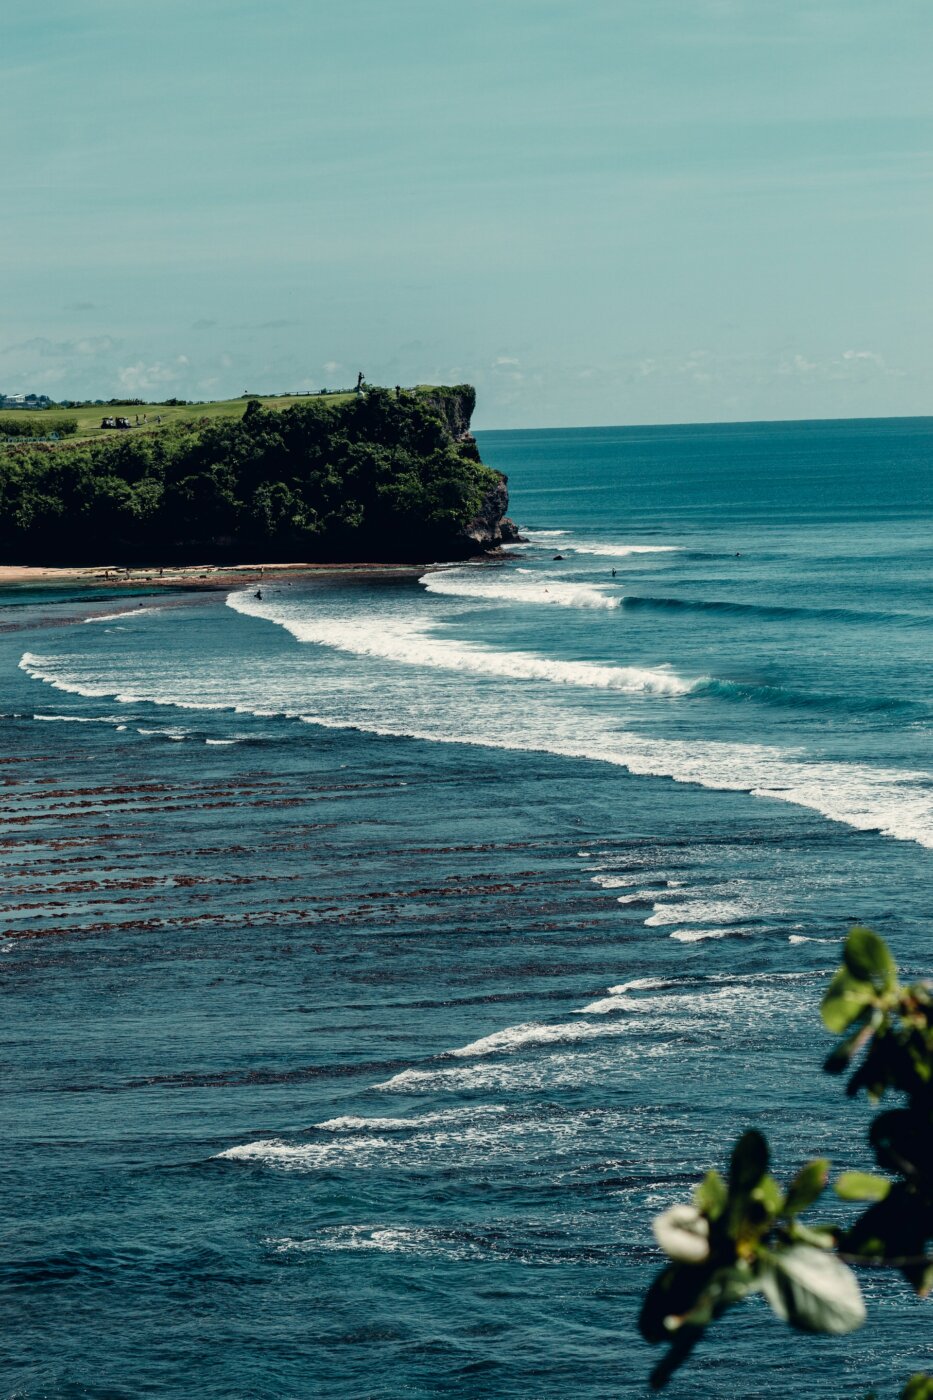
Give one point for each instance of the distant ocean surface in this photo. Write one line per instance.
(379, 956)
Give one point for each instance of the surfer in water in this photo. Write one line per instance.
(258, 594)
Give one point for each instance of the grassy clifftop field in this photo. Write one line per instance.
(383, 475)
(44, 422)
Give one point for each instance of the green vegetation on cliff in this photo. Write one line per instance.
(377, 476)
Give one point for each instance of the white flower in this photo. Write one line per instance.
(683, 1234)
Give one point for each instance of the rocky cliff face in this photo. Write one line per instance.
(491, 527)
(454, 404)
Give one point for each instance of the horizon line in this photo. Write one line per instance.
(716, 423)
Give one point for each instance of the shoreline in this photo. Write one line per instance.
(191, 576)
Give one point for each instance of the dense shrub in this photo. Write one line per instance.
(36, 425)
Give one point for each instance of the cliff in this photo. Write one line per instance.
(490, 527)
(382, 476)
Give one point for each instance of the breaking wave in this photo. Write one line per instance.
(607, 549)
(413, 643)
(894, 802)
(622, 551)
(492, 583)
(124, 613)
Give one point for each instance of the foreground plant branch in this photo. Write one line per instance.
(744, 1234)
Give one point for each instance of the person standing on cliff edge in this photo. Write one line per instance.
(359, 382)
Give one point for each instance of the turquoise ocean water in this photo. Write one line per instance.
(379, 956)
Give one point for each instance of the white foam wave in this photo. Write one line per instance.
(353, 1124)
(603, 1005)
(892, 801)
(642, 984)
(678, 1011)
(413, 644)
(622, 551)
(897, 803)
(495, 583)
(536, 1033)
(699, 935)
(382, 1239)
(531, 1033)
(702, 911)
(125, 612)
(348, 1143)
(607, 548)
(274, 1152)
(571, 1067)
(619, 998)
(77, 719)
(485, 1076)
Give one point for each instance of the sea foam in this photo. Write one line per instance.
(414, 643)
(492, 583)
(895, 802)
(622, 551)
(125, 613)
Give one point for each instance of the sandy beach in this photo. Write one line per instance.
(203, 576)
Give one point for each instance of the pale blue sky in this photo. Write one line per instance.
(598, 211)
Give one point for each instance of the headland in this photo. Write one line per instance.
(383, 475)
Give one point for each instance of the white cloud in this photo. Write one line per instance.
(143, 379)
(62, 349)
(863, 355)
(797, 364)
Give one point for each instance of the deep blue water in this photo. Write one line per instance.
(379, 956)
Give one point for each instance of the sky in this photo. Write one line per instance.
(597, 211)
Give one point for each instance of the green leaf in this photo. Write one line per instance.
(726, 1286)
(840, 1057)
(867, 958)
(711, 1195)
(674, 1292)
(845, 1000)
(919, 1387)
(861, 1186)
(812, 1290)
(749, 1161)
(807, 1186)
(769, 1195)
(807, 1234)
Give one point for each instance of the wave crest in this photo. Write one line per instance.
(492, 583)
(414, 644)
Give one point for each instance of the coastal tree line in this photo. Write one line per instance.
(382, 476)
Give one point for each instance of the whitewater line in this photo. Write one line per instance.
(412, 644)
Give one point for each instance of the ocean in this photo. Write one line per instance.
(381, 954)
